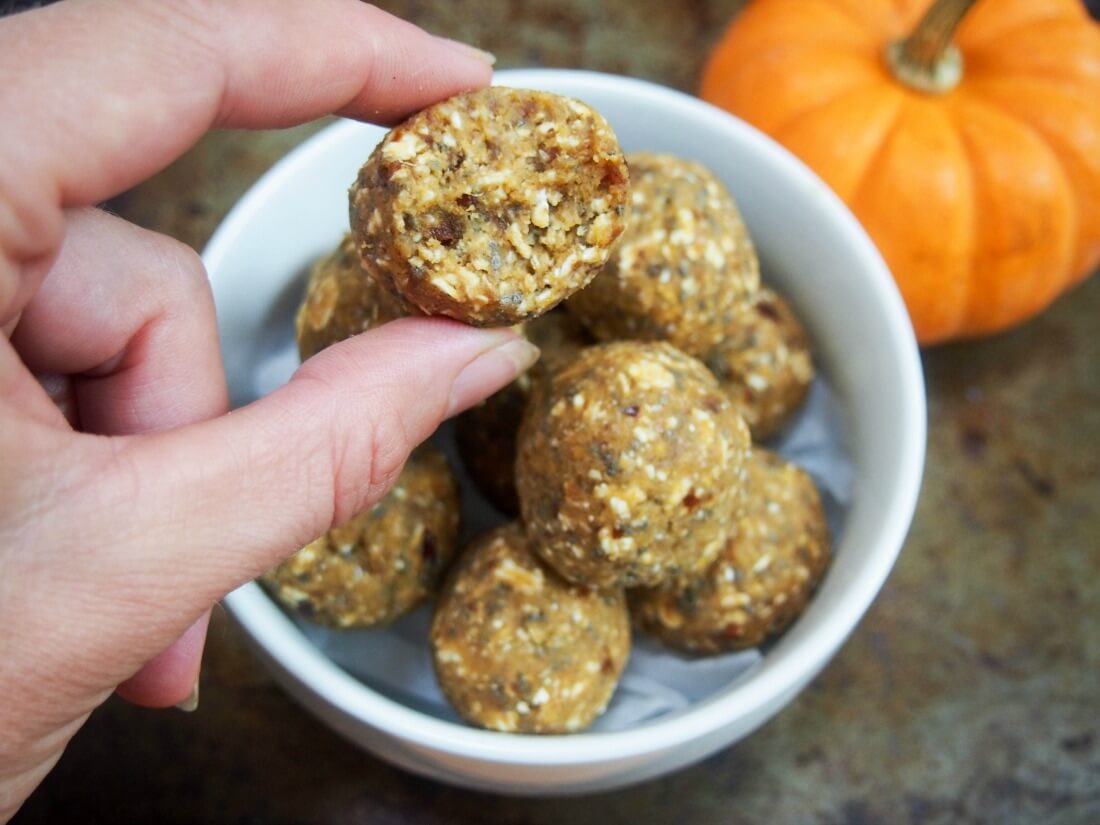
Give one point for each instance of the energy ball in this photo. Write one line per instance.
(681, 268)
(519, 649)
(630, 466)
(341, 300)
(491, 207)
(486, 440)
(486, 434)
(559, 337)
(775, 556)
(385, 561)
(764, 364)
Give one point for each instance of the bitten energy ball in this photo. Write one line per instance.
(630, 466)
(486, 434)
(341, 300)
(681, 268)
(519, 649)
(385, 561)
(491, 207)
(764, 576)
(764, 364)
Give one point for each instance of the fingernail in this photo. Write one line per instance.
(191, 703)
(488, 58)
(489, 372)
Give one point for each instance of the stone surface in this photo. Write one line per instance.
(969, 694)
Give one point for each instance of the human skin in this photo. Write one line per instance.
(118, 534)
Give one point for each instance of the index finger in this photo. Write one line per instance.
(120, 89)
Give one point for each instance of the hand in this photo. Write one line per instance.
(117, 536)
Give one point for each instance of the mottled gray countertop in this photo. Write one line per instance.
(970, 693)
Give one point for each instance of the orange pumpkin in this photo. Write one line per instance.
(979, 178)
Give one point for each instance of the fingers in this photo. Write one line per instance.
(274, 475)
(176, 69)
(121, 89)
(175, 520)
(129, 314)
(128, 541)
(169, 677)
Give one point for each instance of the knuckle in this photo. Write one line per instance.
(389, 448)
(30, 235)
(181, 286)
(367, 458)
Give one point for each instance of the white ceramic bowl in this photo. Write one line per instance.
(812, 250)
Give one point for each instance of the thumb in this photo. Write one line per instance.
(207, 507)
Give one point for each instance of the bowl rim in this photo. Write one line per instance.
(285, 644)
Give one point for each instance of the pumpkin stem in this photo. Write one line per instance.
(927, 59)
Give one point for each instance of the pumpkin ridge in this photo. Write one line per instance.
(1071, 156)
(757, 43)
(1011, 31)
(816, 108)
(878, 26)
(852, 71)
(1016, 53)
(963, 318)
(785, 131)
(974, 323)
(795, 50)
(974, 99)
(924, 130)
(982, 74)
(844, 11)
(874, 157)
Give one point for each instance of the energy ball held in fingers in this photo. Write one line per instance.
(491, 207)
(517, 648)
(764, 576)
(764, 364)
(683, 265)
(341, 300)
(486, 434)
(385, 561)
(630, 466)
